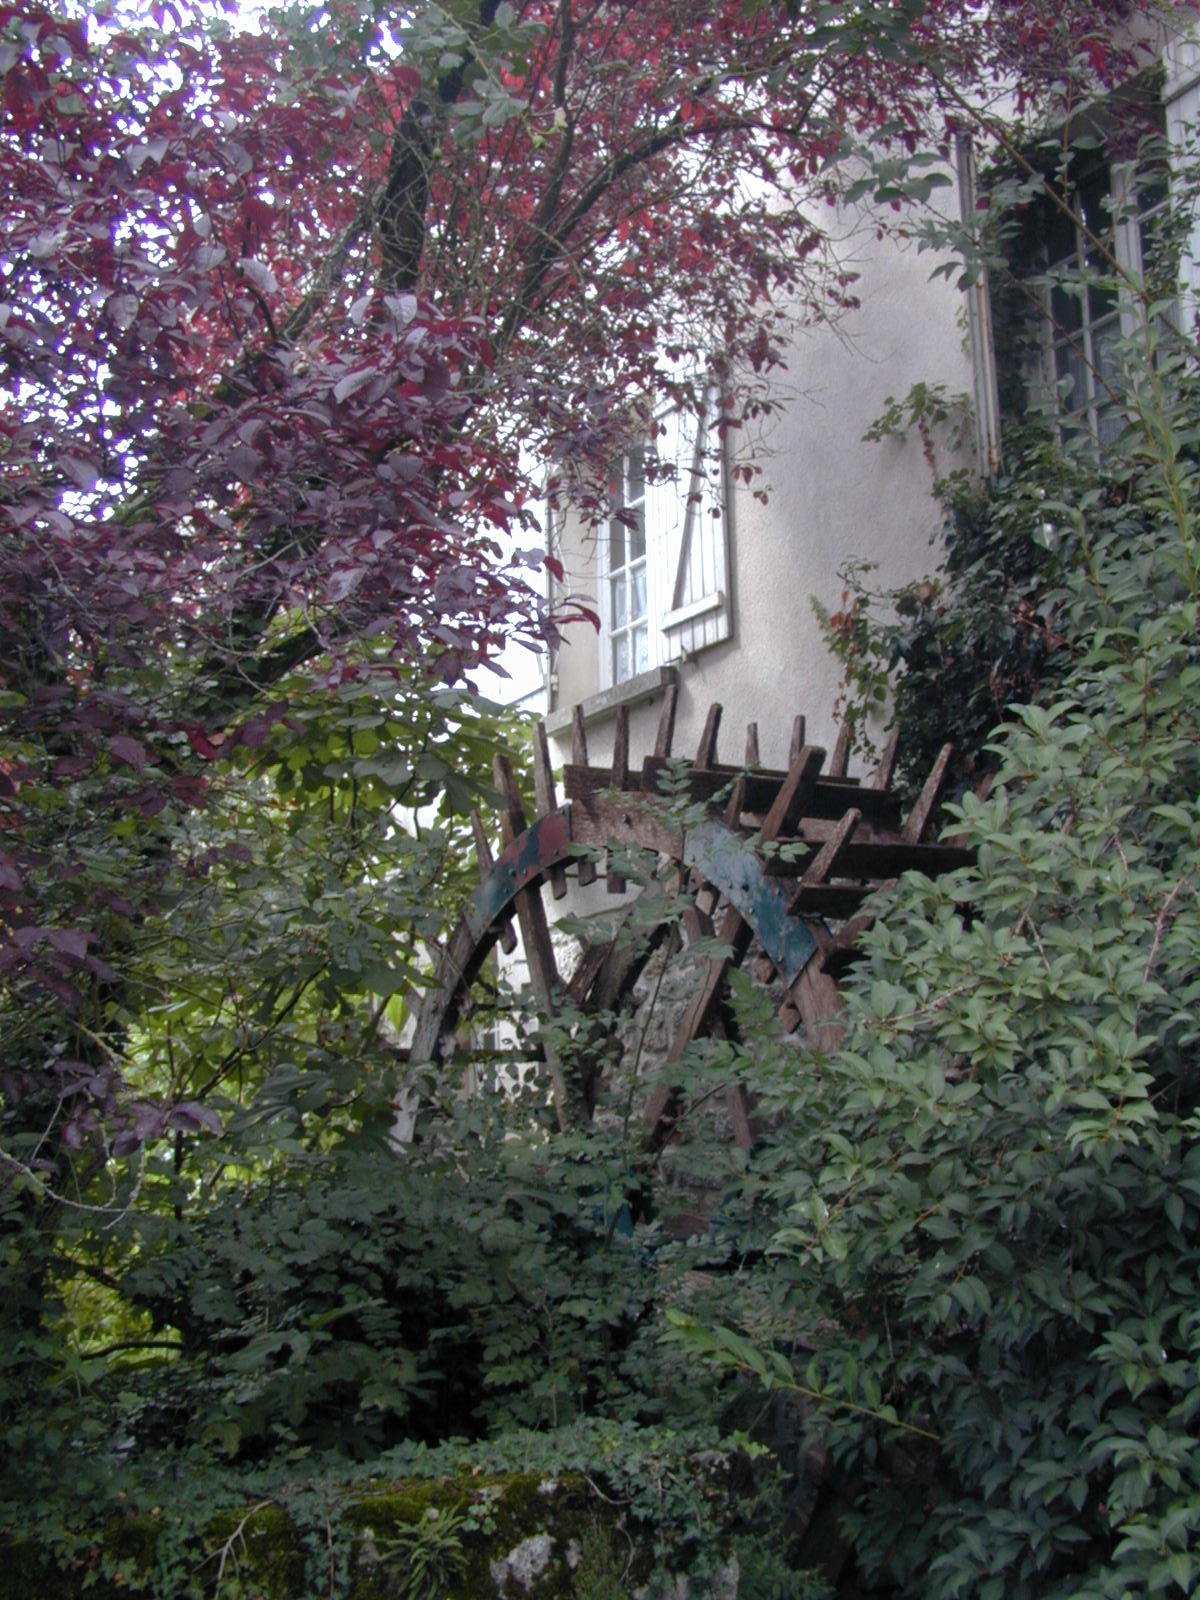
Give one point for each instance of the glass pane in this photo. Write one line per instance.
(1105, 353)
(1094, 201)
(1109, 425)
(620, 651)
(637, 540)
(1069, 363)
(635, 483)
(1155, 235)
(1060, 240)
(1152, 190)
(641, 649)
(1102, 302)
(616, 546)
(1066, 307)
(637, 606)
(618, 591)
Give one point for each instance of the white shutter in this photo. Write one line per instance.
(695, 593)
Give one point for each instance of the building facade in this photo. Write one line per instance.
(700, 584)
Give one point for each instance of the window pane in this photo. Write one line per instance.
(641, 649)
(620, 612)
(638, 600)
(637, 540)
(1105, 353)
(620, 652)
(1069, 363)
(616, 546)
(1093, 198)
(635, 478)
(1066, 307)
(1109, 426)
(1102, 302)
(1059, 237)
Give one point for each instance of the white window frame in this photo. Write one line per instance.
(685, 522)
(1097, 407)
(619, 624)
(1126, 228)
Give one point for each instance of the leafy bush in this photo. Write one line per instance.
(993, 1191)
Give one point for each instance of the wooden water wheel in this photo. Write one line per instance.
(778, 863)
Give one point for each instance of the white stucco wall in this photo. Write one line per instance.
(831, 497)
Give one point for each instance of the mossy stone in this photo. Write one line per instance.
(516, 1535)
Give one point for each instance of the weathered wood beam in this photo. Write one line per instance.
(733, 930)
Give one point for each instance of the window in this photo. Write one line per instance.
(627, 581)
(663, 557)
(1106, 230)
(1062, 311)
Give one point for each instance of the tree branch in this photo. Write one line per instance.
(402, 213)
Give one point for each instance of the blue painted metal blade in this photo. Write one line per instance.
(731, 865)
(532, 853)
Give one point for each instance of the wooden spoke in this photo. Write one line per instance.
(666, 723)
(620, 779)
(794, 794)
(535, 932)
(579, 751)
(825, 861)
(886, 769)
(579, 756)
(919, 818)
(706, 751)
(841, 753)
(543, 788)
